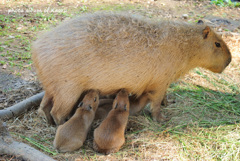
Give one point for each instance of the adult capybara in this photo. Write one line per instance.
(71, 135)
(110, 51)
(109, 136)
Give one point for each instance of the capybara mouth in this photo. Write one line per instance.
(228, 62)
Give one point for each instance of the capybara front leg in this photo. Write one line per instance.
(156, 109)
(63, 105)
(45, 108)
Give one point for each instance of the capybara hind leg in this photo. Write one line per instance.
(63, 105)
(45, 108)
(136, 105)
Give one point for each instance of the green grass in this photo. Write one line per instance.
(225, 3)
(16, 37)
(202, 120)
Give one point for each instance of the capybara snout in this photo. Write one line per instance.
(90, 101)
(121, 101)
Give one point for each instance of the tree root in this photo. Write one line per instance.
(21, 150)
(21, 107)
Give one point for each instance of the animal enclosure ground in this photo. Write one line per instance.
(203, 107)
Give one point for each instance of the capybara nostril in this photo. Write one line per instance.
(89, 107)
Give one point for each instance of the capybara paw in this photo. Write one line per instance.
(59, 120)
(164, 102)
(159, 117)
(41, 113)
(47, 116)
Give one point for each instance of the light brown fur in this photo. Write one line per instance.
(71, 135)
(95, 51)
(109, 136)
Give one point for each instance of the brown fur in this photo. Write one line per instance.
(94, 51)
(109, 136)
(71, 135)
(105, 105)
(136, 105)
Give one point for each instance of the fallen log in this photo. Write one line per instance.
(10, 147)
(21, 107)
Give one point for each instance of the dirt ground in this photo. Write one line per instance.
(141, 144)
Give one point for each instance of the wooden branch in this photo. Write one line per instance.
(10, 147)
(21, 107)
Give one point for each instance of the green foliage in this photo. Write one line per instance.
(224, 3)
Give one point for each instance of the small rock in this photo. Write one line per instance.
(4, 66)
(219, 30)
(11, 37)
(185, 16)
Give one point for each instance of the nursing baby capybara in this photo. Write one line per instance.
(110, 51)
(109, 136)
(71, 135)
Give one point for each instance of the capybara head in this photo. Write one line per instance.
(216, 55)
(121, 102)
(90, 101)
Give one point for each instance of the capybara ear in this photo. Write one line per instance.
(80, 104)
(206, 32)
(200, 22)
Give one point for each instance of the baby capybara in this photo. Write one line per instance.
(109, 136)
(71, 135)
(95, 51)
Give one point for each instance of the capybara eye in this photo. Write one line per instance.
(125, 107)
(95, 99)
(80, 104)
(217, 44)
(116, 105)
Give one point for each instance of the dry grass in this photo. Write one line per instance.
(204, 121)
